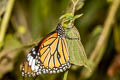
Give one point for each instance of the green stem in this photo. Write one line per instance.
(65, 75)
(116, 37)
(98, 52)
(5, 21)
(107, 28)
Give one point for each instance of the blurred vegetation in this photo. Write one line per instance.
(24, 23)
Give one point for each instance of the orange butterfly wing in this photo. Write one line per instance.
(52, 49)
(50, 56)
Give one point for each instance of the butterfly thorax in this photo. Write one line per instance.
(61, 31)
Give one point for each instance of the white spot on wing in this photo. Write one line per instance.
(30, 61)
(29, 57)
(33, 49)
(33, 65)
(34, 52)
(36, 68)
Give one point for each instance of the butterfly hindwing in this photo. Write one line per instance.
(54, 56)
(49, 56)
(32, 63)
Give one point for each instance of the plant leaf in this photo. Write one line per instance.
(76, 49)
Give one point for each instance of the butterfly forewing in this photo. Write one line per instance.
(50, 56)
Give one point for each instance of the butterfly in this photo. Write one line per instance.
(50, 56)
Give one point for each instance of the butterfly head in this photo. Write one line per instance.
(60, 30)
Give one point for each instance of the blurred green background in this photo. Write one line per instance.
(31, 20)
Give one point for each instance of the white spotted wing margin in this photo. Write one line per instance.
(55, 58)
(31, 64)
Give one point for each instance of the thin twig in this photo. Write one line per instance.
(107, 26)
(74, 6)
(5, 21)
(3, 54)
(98, 52)
(116, 37)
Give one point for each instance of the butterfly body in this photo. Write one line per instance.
(49, 56)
